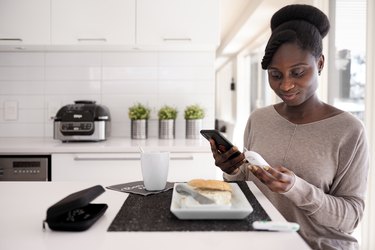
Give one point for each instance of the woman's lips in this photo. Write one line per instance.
(288, 96)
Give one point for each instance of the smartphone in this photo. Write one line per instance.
(219, 139)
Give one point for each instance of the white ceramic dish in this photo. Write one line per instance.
(239, 209)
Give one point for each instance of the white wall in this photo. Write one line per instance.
(41, 82)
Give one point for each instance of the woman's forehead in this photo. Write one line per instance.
(291, 54)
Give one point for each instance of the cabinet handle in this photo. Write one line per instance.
(177, 39)
(92, 40)
(190, 158)
(11, 39)
(124, 158)
(105, 158)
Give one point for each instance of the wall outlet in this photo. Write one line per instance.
(10, 110)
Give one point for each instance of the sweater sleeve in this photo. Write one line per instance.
(239, 176)
(341, 208)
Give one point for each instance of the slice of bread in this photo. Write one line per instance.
(219, 191)
(214, 185)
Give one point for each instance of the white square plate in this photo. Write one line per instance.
(239, 209)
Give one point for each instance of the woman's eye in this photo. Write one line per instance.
(275, 74)
(297, 73)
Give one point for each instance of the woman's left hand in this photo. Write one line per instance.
(278, 179)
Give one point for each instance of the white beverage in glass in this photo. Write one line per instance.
(155, 166)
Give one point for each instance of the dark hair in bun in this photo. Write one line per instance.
(299, 23)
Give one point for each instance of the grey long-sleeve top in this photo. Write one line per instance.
(330, 161)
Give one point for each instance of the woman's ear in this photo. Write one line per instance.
(320, 64)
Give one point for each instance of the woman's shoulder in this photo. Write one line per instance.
(263, 111)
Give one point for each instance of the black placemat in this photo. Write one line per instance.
(152, 213)
(137, 187)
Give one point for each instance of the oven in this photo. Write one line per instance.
(25, 168)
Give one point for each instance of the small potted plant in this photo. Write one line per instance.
(139, 115)
(194, 115)
(167, 120)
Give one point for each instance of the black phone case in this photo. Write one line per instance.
(75, 212)
(219, 139)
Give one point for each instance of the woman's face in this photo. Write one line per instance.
(293, 74)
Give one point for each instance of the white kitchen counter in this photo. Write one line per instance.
(24, 205)
(112, 145)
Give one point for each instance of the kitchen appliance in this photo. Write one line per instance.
(82, 121)
(25, 167)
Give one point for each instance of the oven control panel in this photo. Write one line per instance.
(21, 168)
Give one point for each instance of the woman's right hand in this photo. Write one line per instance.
(223, 158)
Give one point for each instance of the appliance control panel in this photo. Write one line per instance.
(24, 168)
(76, 126)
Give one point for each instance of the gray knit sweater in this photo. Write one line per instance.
(330, 161)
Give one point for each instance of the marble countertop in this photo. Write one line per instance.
(112, 145)
(24, 206)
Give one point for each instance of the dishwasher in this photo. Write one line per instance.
(25, 168)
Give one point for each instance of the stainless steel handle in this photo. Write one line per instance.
(125, 158)
(189, 158)
(92, 40)
(105, 158)
(177, 39)
(11, 39)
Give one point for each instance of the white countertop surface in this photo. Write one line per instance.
(24, 206)
(111, 145)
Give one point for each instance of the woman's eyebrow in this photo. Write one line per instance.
(292, 66)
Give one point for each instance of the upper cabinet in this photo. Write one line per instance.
(178, 23)
(24, 22)
(143, 24)
(93, 22)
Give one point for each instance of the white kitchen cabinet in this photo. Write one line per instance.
(181, 23)
(126, 167)
(24, 22)
(93, 22)
(154, 24)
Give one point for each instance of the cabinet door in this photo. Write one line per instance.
(186, 166)
(24, 22)
(126, 167)
(96, 167)
(183, 23)
(94, 22)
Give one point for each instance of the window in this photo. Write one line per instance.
(347, 72)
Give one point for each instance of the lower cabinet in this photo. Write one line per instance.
(126, 167)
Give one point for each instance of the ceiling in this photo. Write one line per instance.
(243, 22)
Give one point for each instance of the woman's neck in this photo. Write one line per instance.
(311, 110)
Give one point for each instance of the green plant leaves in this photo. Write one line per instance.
(139, 112)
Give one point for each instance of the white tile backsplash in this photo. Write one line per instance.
(25, 87)
(70, 59)
(42, 82)
(21, 59)
(134, 73)
(73, 73)
(178, 59)
(129, 87)
(66, 87)
(21, 73)
(130, 59)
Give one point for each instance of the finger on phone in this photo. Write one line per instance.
(214, 150)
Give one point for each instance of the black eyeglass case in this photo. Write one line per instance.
(75, 212)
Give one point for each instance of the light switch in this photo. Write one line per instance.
(10, 110)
